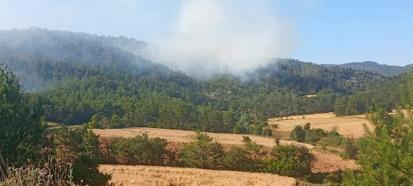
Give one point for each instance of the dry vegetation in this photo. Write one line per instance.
(323, 162)
(186, 136)
(159, 176)
(350, 126)
(329, 163)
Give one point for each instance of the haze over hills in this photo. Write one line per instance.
(103, 96)
(42, 58)
(81, 75)
(370, 66)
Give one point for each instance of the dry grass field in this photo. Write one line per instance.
(350, 126)
(324, 162)
(183, 136)
(166, 176)
(329, 163)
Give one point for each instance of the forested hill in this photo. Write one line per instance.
(104, 82)
(42, 57)
(312, 78)
(370, 66)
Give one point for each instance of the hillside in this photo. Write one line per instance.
(41, 58)
(104, 81)
(370, 66)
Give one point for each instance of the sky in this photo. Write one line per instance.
(319, 31)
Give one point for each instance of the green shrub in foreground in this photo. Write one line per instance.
(289, 160)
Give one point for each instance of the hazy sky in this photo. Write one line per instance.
(321, 31)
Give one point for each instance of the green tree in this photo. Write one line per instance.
(81, 147)
(139, 150)
(202, 152)
(239, 159)
(21, 122)
(289, 161)
(385, 155)
(116, 122)
(298, 134)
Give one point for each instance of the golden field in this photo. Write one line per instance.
(183, 136)
(323, 161)
(166, 176)
(350, 126)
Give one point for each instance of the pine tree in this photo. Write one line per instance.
(21, 123)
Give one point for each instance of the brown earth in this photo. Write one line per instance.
(329, 163)
(166, 176)
(350, 126)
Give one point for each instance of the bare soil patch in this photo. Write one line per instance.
(152, 175)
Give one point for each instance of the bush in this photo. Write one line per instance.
(350, 150)
(139, 150)
(289, 161)
(267, 132)
(334, 138)
(48, 172)
(202, 152)
(239, 159)
(298, 134)
(81, 149)
(238, 129)
(314, 135)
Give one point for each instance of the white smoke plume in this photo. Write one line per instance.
(220, 36)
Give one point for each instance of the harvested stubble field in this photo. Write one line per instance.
(350, 126)
(165, 176)
(183, 136)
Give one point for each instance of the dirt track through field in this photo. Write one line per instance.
(350, 126)
(166, 176)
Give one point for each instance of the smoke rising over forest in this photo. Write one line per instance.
(209, 37)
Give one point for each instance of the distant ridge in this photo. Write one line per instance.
(371, 66)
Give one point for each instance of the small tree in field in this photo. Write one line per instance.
(202, 152)
(289, 161)
(298, 134)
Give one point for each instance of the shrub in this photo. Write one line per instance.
(334, 138)
(238, 159)
(246, 139)
(350, 150)
(307, 126)
(314, 135)
(202, 152)
(289, 161)
(267, 132)
(81, 146)
(239, 129)
(50, 172)
(250, 146)
(298, 134)
(139, 150)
